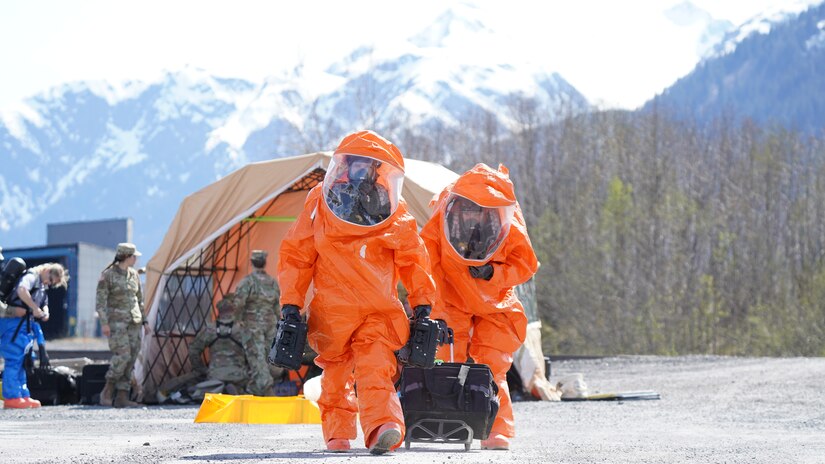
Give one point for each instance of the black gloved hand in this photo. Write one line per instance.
(445, 334)
(290, 313)
(421, 311)
(43, 356)
(482, 272)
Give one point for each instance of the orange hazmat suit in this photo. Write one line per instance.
(353, 240)
(479, 250)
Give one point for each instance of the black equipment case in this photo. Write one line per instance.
(92, 381)
(287, 349)
(425, 336)
(449, 403)
(52, 387)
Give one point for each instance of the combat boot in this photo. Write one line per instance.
(122, 400)
(106, 395)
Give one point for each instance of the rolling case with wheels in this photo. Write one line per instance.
(449, 403)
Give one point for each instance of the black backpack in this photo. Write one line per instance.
(12, 271)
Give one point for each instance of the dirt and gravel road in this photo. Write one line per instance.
(713, 409)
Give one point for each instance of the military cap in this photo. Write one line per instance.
(226, 304)
(127, 249)
(258, 254)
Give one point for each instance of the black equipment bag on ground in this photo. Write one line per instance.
(452, 403)
(287, 349)
(51, 386)
(92, 382)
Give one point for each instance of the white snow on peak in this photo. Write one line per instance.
(282, 98)
(188, 91)
(16, 117)
(686, 14)
(761, 24)
(455, 61)
(460, 20)
(697, 26)
(121, 148)
(116, 91)
(17, 206)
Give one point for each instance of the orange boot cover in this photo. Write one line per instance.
(16, 403)
(32, 402)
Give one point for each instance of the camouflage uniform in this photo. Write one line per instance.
(257, 298)
(227, 353)
(120, 306)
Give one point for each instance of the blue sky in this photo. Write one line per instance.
(617, 53)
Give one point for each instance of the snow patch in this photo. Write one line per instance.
(116, 92)
(122, 148)
(760, 24)
(16, 206)
(288, 99)
(16, 117)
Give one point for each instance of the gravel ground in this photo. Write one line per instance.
(713, 409)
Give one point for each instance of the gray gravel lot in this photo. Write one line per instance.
(713, 409)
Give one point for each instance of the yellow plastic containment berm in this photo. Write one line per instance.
(248, 409)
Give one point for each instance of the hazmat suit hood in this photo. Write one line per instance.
(363, 183)
(477, 211)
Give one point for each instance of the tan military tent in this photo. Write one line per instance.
(205, 252)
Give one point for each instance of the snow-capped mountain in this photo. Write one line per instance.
(92, 150)
(703, 30)
(770, 70)
(760, 24)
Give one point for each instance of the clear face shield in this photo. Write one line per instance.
(362, 190)
(475, 232)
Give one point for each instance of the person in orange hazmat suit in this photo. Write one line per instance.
(479, 250)
(353, 240)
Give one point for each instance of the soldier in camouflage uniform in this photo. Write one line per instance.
(257, 298)
(120, 309)
(228, 342)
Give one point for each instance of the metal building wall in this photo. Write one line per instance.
(92, 259)
(106, 233)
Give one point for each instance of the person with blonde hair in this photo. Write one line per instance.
(29, 300)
